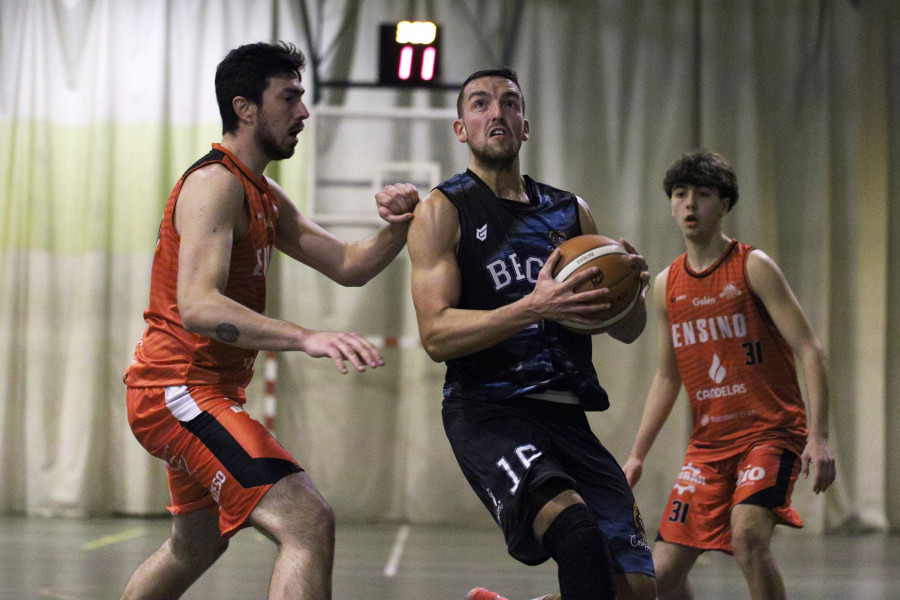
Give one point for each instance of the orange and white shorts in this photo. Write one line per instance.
(698, 513)
(218, 457)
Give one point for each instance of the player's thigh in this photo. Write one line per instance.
(603, 487)
(673, 561)
(765, 478)
(503, 453)
(294, 508)
(751, 526)
(635, 586)
(698, 507)
(228, 456)
(197, 533)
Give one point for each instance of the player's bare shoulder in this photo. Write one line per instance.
(276, 187)
(214, 175)
(758, 261)
(659, 289)
(768, 282)
(435, 206)
(211, 193)
(585, 217)
(661, 280)
(212, 184)
(763, 273)
(435, 222)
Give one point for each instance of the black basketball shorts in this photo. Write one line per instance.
(508, 449)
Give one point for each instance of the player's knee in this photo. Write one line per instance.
(313, 520)
(294, 513)
(669, 581)
(581, 551)
(548, 500)
(666, 571)
(635, 586)
(323, 515)
(197, 549)
(672, 565)
(748, 543)
(197, 533)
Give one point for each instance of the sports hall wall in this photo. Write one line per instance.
(103, 104)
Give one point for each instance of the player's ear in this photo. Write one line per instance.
(526, 128)
(459, 128)
(243, 108)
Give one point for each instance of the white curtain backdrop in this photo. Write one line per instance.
(104, 103)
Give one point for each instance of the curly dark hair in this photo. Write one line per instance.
(245, 72)
(703, 168)
(505, 72)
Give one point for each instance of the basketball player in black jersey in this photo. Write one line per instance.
(518, 383)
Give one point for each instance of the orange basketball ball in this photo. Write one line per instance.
(614, 271)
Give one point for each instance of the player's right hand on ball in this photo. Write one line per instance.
(559, 302)
(341, 347)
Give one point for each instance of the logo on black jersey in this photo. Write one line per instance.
(556, 238)
(481, 233)
(504, 271)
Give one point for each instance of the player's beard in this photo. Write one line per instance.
(267, 142)
(494, 158)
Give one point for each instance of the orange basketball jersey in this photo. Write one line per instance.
(737, 369)
(168, 354)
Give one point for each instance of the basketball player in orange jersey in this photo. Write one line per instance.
(518, 383)
(729, 326)
(205, 324)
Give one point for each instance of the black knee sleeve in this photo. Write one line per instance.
(581, 552)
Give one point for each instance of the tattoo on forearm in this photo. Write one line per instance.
(227, 332)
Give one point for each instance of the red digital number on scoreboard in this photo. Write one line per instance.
(409, 54)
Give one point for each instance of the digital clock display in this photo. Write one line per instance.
(410, 54)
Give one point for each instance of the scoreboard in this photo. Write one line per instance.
(410, 54)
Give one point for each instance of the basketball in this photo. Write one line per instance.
(615, 272)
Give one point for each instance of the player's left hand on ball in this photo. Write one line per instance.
(396, 202)
(639, 262)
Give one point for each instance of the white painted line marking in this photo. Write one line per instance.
(390, 569)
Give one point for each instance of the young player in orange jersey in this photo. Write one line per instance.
(729, 326)
(205, 324)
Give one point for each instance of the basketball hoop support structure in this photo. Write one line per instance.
(420, 172)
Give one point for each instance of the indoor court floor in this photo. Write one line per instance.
(91, 559)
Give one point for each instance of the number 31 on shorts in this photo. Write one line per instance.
(679, 512)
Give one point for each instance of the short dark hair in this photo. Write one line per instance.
(505, 72)
(703, 168)
(245, 72)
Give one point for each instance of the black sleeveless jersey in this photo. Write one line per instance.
(503, 245)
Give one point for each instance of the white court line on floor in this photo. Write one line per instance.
(390, 569)
(57, 595)
(108, 540)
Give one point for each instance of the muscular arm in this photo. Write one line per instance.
(449, 332)
(771, 287)
(209, 215)
(663, 391)
(347, 263)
